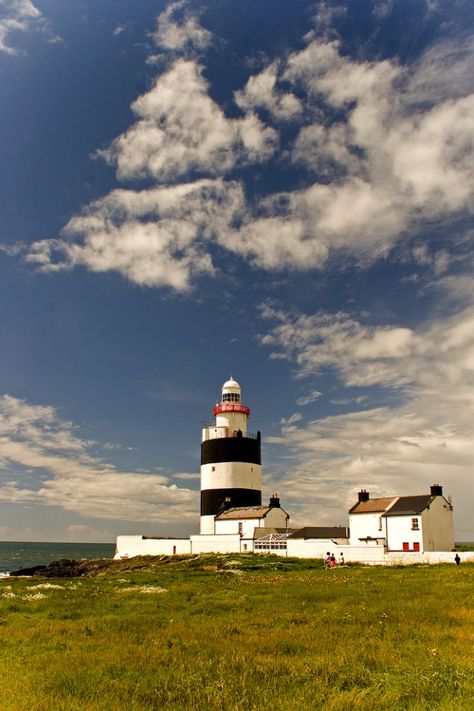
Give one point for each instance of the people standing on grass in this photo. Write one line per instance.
(341, 559)
(332, 561)
(457, 559)
(327, 560)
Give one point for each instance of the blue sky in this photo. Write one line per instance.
(278, 191)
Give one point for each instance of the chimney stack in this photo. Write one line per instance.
(436, 490)
(275, 501)
(363, 495)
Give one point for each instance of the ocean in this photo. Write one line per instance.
(15, 555)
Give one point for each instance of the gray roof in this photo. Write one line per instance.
(406, 505)
(262, 532)
(321, 532)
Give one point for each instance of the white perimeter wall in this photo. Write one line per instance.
(130, 546)
(317, 548)
(433, 557)
(220, 543)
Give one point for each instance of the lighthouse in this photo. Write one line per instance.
(231, 471)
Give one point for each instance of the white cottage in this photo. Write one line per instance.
(419, 524)
(244, 520)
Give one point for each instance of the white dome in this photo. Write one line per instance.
(231, 384)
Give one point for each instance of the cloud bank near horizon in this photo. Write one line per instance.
(59, 469)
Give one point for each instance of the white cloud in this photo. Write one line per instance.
(444, 71)
(383, 8)
(81, 532)
(327, 12)
(180, 129)
(33, 437)
(387, 167)
(425, 438)
(19, 534)
(391, 163)
(362, 354)
(310, 397)
(276, 243)
(187, 476)
(326, 149)
(153, 237)
(178, 29)
(261, 92)
(20, 16)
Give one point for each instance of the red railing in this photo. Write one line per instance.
(231, 407)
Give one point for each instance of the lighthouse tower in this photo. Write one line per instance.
(231, 471)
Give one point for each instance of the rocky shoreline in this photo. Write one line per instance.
(66, 568)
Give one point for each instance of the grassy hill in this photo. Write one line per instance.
(238, 633)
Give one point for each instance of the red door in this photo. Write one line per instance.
(416, 546)
(406, 546)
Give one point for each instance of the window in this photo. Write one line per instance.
(213, 469)
(415, 524)
(380, 523)
(271, 542)
(406, 546)
(416, 546)
(241, 528)
(231, 397)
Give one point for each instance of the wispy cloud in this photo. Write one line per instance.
(307, 399)
(178, 29)
(64, 473)
(20, 16)
(426, 437)
(362, 354)
(154, 237)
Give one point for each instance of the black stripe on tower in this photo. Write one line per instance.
(231, 449)
(213, 501)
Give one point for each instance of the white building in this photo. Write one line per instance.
(419, 524)
(233, 519)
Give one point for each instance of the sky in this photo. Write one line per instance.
(281, 192)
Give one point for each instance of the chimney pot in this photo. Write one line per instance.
(363, 495)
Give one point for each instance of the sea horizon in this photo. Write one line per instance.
(15, 555)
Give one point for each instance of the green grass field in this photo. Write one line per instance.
(239, 633)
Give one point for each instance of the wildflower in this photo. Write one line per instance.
(34, 596)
